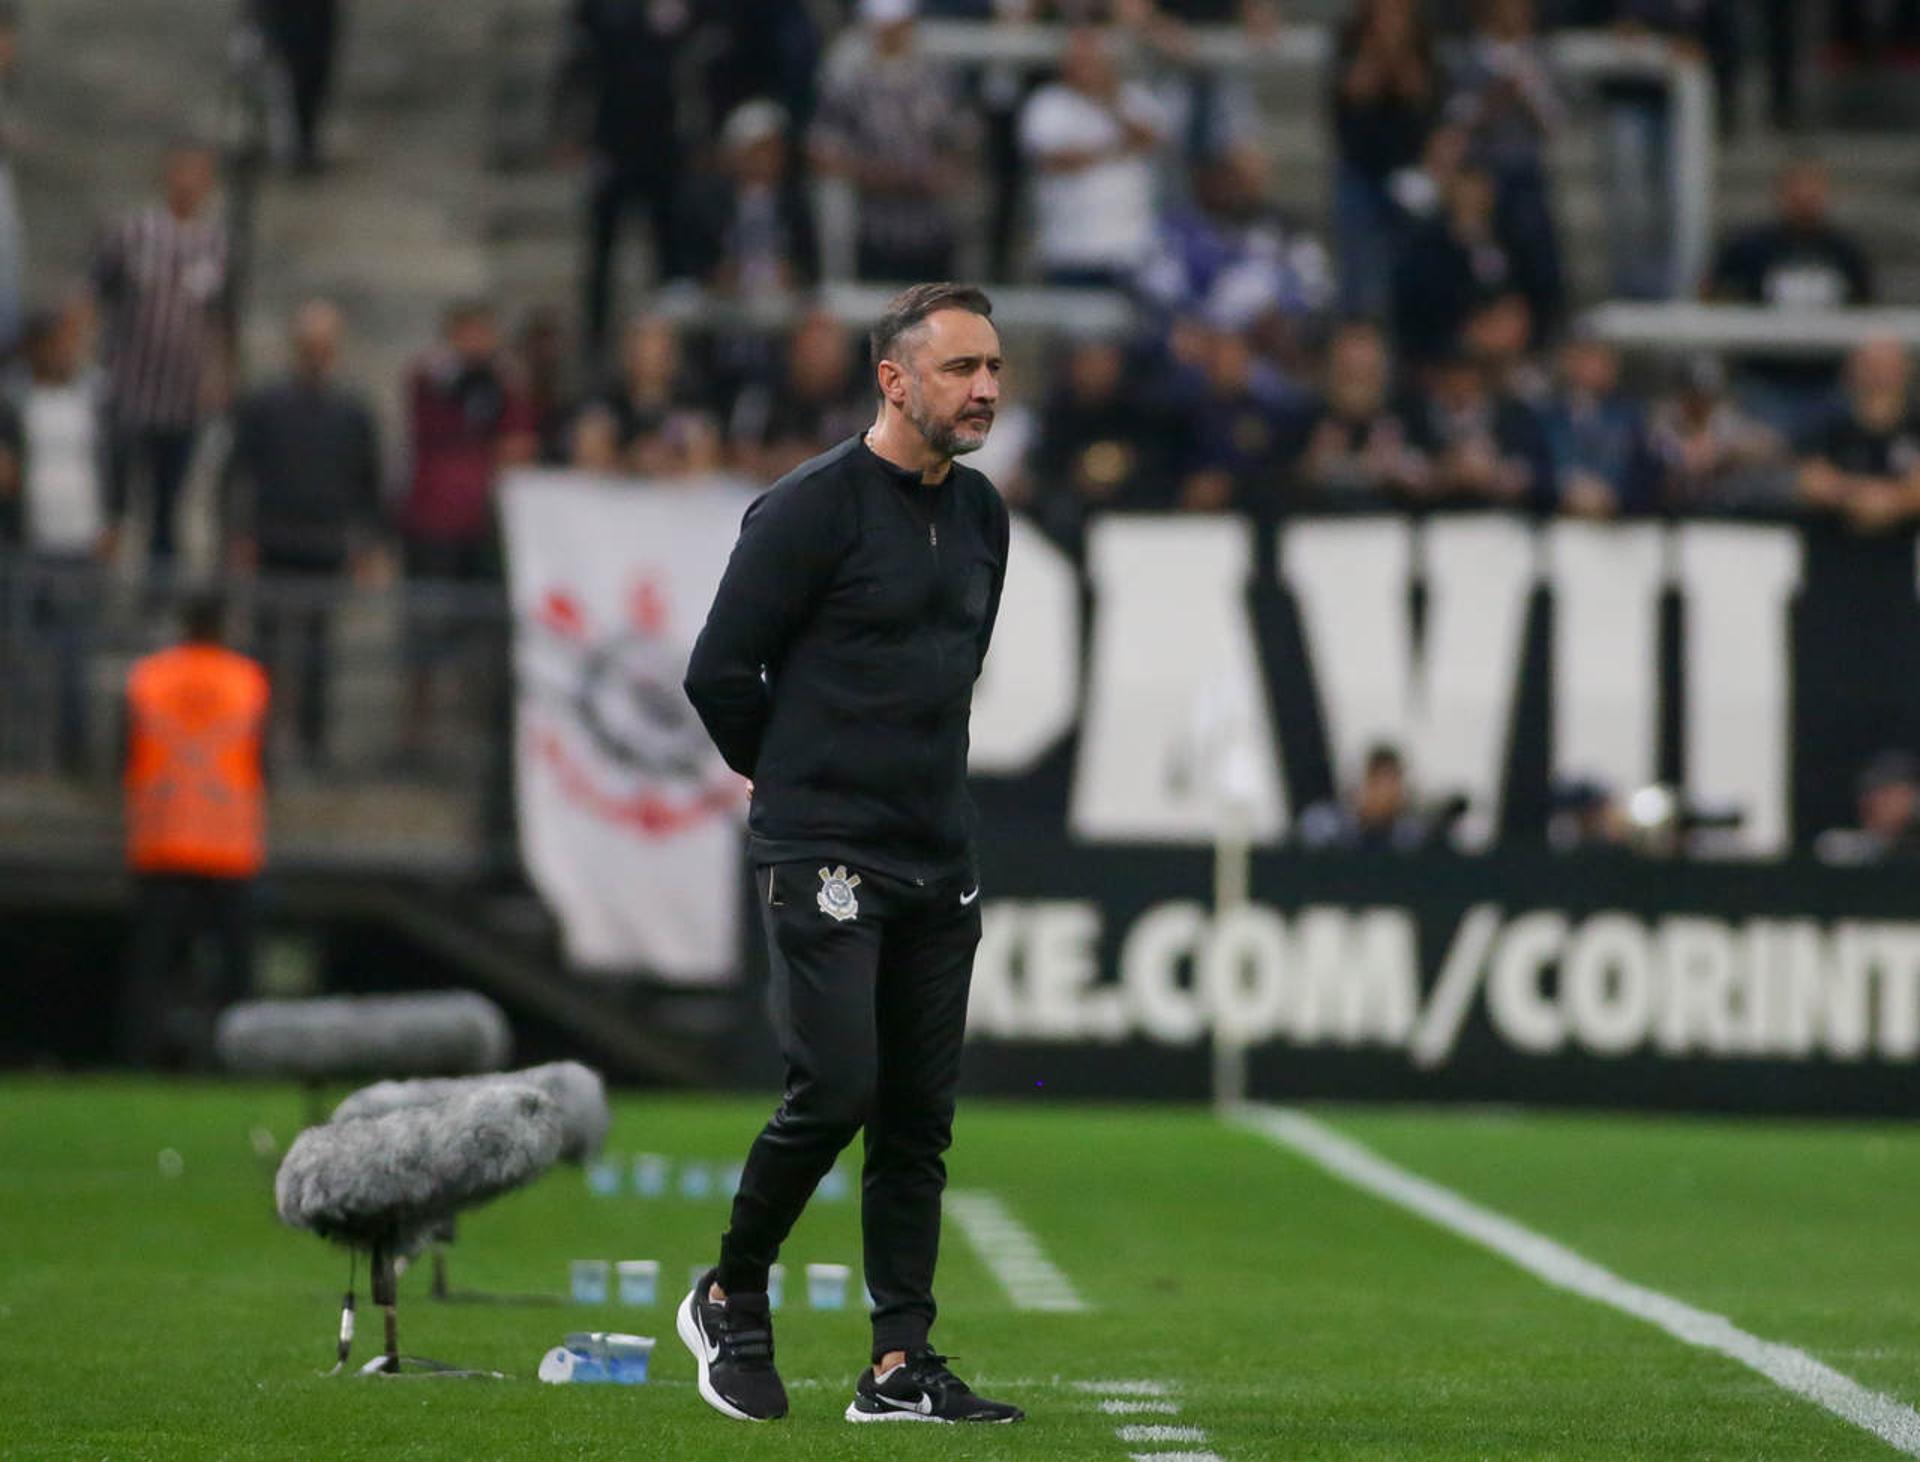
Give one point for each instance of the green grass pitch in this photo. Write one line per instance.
(146, 1315)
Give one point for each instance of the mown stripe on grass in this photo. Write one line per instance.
(1554, 1264)
(1011, 1252)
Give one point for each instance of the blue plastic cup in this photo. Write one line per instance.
(589, 1281)
(827, 1286)
(696, 1180)
(639, 1281)
(651, 1174)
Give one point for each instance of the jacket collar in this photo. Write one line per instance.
(904, 476)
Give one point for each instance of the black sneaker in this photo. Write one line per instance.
(923, 1389)
(732, 1343)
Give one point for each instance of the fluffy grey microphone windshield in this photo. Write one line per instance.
(438, 1034)
(393, 1175)
(576, 1090)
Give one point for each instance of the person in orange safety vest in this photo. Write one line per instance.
(196, 831)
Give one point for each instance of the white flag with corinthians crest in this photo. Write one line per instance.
(630, 823)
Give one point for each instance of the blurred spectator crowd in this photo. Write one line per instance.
(1426, 354)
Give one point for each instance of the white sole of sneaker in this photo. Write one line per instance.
(689, 1331)
(854, 1413)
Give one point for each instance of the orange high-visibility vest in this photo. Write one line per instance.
(196, 798)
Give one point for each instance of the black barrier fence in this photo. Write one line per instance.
(1585, 979)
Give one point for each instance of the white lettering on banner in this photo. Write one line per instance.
(1446, 700)
(1705, 993)
(1029, 691)
(1611, 984)
(1164, 945)
(1243, 973)
(1517, 999)
(1608, 974)
(1607, 579)
(1171, 630)
(1440, 1023)
(1738, 583)
(1359, 980)
(1898, 1017)
(1063, 963)
(1349, 979)
(1035, 974)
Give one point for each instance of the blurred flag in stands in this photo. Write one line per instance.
(630, 824)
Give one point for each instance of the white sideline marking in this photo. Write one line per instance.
(1787, 1367)
(1009, 1249)
(1160, 1433)
(1149, 1432)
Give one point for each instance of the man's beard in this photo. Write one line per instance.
(944, 436)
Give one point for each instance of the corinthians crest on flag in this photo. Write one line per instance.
(630, 823)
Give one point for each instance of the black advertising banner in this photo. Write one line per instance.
(1757, 666)
(1585, 979)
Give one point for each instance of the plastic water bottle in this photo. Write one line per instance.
(591, 1357)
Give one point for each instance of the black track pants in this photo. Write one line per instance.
(870, 1010)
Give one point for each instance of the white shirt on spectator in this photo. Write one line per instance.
(1100, 216)
(60, 430)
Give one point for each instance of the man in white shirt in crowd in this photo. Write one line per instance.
(63, 520)
(1091, 138)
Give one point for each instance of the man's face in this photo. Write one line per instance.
(952, 379)
(1501, 331)
(651, 351)
(1229, 361)
(316, 339)
(761, 163)
(188, 180)
(1383, 794)
(1357, 369)
(1803, 197)
(1086, 65)
(1888, 808)
(1507, 19)
(1457, 385)
(1880, 368)
(1094, 371)
(1591, 367)
(474, 338)
(820, 356)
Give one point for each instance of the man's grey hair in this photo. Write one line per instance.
(908, 308)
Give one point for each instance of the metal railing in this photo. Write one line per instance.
(1750, 329)
(388, 743)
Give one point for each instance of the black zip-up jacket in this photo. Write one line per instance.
(837, 664)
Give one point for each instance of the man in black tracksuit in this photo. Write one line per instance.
(836, 672)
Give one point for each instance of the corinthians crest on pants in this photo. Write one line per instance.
(836, 898)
